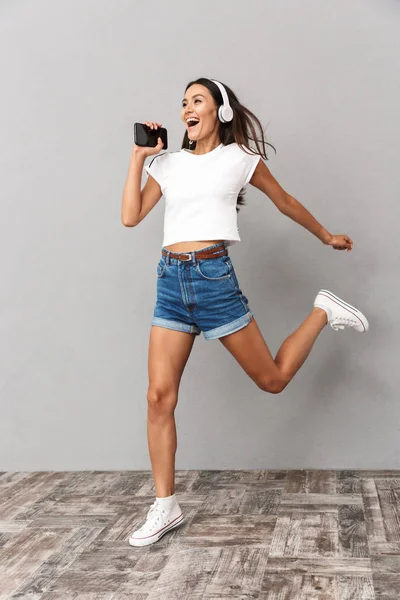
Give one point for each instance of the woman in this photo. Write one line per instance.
(197, 288)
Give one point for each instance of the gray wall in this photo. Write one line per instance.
(78, 288)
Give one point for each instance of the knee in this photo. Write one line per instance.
(274, 386)
(160, 402)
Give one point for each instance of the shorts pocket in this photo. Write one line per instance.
(215, 268)
(161, 267)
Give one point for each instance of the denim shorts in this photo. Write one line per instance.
(195, 295)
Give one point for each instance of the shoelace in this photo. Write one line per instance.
(155, 514)
(342, 322)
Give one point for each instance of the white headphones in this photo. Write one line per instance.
(225, 112)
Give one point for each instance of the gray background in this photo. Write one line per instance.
(78, 288)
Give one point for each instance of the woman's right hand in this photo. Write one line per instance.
(146, 151)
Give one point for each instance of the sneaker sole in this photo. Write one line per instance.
(156, 536)
(357, 313)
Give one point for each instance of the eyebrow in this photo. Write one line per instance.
(193, 96)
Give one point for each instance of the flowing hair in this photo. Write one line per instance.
(240, 130)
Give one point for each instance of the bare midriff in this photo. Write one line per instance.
(190, 246)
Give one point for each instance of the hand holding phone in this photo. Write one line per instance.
(150, 138)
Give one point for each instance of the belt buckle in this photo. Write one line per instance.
(187, 254)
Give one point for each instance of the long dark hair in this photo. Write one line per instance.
(240, 130)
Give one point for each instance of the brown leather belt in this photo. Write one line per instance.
(214, 253)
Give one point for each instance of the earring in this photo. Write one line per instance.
(191, 142)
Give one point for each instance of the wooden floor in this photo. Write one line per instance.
(265, 535)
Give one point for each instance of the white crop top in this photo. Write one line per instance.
(201, 191)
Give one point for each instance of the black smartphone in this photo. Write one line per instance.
(143, 135)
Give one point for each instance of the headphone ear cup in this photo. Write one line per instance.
(225, 113)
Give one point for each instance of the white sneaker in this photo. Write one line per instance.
(340, 314)
(159, 520)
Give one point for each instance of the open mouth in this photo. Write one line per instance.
(192, 124)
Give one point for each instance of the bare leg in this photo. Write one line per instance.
(250, 349)
(169, 351)
(295, 349)
(162, 442)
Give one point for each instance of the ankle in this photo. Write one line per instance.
(167, 501)
(166, 495)
(323, 314)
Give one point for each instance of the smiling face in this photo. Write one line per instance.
(199, 104)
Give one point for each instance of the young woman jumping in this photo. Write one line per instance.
(197, 287)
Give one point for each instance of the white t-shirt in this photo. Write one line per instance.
(201, 192)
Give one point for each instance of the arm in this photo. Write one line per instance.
(136, 203)
(288, 205)
(131, 199)
(300, 214)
